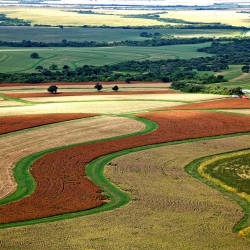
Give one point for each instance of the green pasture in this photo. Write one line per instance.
(18, 59)
(55, 34)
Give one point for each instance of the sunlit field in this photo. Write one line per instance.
(231, 17)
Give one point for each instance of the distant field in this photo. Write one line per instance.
(18, 59)
(230, 17)
(54, 17)
(54, 34)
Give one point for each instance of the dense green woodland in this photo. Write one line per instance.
(176, 70)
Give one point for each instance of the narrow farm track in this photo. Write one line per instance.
(14, 123)
(68, 163)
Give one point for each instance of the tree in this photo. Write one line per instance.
(245, 69)
(52, 89)
(53, 67)
(65, 67)
(115, 88)
(98, 86)
(236, 91)
(34, 55)
(39, 68)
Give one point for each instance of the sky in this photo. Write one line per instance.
(154, 2)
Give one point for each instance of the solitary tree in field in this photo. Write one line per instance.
(98, 86)
(39, 68)
(52, 89)
(34, 55)
(115, 88)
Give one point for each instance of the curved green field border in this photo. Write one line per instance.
(192, 169)
(94, 171)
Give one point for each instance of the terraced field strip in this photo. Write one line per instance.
(25, 142)
(235, 103)
(68, 164)
(14, 123)
(228, 173)
(15, 100)
(25, 95)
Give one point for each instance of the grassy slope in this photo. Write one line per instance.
(18, 59)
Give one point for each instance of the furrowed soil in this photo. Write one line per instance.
(25, 95)
(18, 145)
(62, 186)
(14, 123)
(169, 210)
(219, 104)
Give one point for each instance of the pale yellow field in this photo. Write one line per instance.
(169, 210)
(170, 97)
(239, 111)
(109, 107)
(9, 103)
(49, 16)
(19, 145)
(230, 17)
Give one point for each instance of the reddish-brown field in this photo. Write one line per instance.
(219, 104)
(62, 186)
(18, 122)
(70, 83)
(24, 95)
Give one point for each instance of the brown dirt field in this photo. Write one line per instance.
(71, 83)
(169, 210)
(59, 174)
(14, 123)
(18, 145)
(25, 95)
(219, 104)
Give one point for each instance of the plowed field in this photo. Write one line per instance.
(219, 104)
(14, 123)
(61, 183)
(25, 95)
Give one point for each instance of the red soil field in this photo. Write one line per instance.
(62, 186)
(18, 122)
(23, 95)
(219, 104)
(70, 83)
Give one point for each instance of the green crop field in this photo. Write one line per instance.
(18, 59)
(50, 34)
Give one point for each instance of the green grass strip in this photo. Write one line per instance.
(192, 169)
(94, 171)
(7, 98)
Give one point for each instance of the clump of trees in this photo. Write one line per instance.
(98, 86)
(245, 69)
(52, 89)
(34, 55)
(115, 88)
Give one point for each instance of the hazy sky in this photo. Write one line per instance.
(161, 2)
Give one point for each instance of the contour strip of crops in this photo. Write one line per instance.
(94, 171)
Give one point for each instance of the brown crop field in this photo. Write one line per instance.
(169, 210)
(14, 123)
(19, 145)
(147, 92)
(219, 104)
(66, 167)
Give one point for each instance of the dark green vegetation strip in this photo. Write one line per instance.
(192, 169)
(94, 171)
